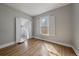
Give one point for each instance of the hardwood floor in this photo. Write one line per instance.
(35, 47)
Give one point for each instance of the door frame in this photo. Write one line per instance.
(18, 28)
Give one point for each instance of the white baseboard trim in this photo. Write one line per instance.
(68, 45)
(75, 50)
(6, 45)
(11, 43)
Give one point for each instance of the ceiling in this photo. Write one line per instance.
(34, 9)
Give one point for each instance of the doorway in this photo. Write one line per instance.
(23, 29)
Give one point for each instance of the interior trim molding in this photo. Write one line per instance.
(68, 45)
(75, 50)
(6, 45)
(11, 43)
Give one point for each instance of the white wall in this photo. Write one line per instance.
(63, 25)
(75, 27)
(7, 23)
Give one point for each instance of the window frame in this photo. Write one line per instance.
(47, 25)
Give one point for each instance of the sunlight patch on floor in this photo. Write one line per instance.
(52, 50)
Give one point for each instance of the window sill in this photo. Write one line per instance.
(45, 34)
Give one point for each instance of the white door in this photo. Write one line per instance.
(22, 35)
(29, 29)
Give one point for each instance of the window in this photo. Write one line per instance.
(44, 25)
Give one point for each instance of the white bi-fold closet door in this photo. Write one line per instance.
(23, 29)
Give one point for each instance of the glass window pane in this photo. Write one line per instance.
(44, 25)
